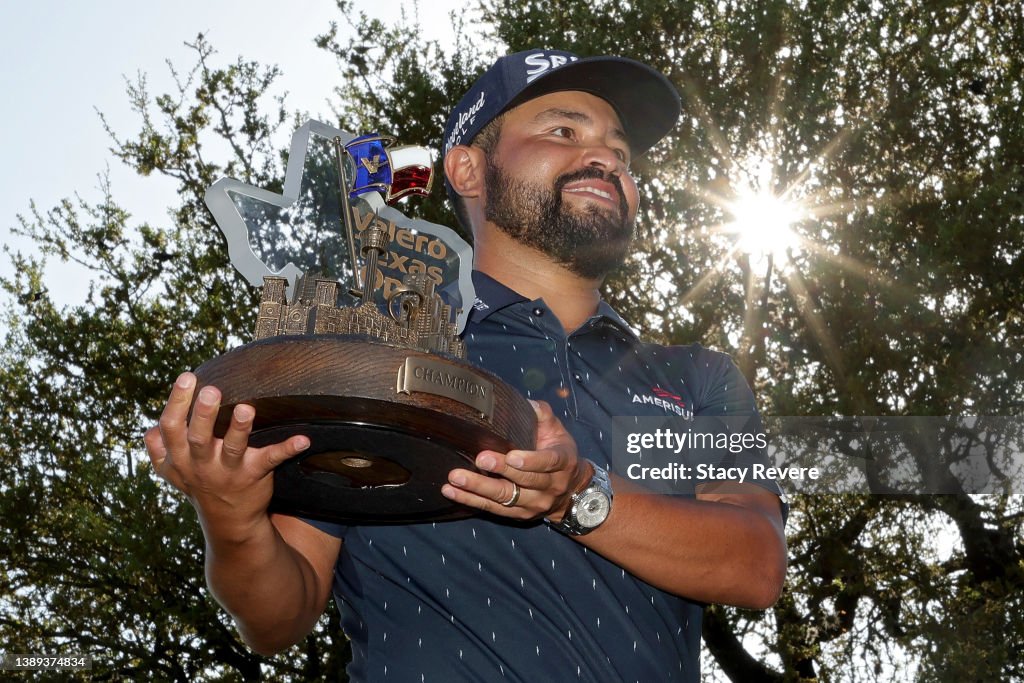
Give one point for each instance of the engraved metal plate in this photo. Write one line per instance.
(444, 379)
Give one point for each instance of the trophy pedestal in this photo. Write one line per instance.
(386, 424)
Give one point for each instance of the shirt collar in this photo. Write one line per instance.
(604, 310)
(492, 296)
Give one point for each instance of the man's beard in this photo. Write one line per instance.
(589, 242)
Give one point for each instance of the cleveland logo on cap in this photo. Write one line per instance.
(466, 117)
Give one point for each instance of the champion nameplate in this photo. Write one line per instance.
(441, 379)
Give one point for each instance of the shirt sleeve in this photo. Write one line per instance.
(336, 530)
(728, 408)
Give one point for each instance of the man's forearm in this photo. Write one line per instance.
(728, 549)
(269, 588)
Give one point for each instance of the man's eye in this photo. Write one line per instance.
(621, 154)
(563, 132)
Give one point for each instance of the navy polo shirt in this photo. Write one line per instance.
(483, 599)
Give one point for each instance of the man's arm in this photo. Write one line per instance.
(727, 546)
(271, 573)
(724, 547)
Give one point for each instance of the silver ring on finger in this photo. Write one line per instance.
(514, 498)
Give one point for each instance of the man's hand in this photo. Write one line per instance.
(546, 477)
(272, 574)
(229, 483)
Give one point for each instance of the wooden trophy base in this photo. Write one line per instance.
(386, 424)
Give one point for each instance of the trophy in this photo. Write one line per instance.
(357, 339)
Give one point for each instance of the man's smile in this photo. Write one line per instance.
(601, 189)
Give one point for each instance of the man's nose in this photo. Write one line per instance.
(603, 156)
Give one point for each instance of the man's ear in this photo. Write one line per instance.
(464, 168)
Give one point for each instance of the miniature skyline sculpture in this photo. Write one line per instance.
(331, 254)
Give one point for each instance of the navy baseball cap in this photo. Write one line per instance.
(647, 103)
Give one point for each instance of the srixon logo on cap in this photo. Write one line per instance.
(540, 63)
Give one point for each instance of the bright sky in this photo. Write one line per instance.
(64, 60)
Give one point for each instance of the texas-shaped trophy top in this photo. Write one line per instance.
(357, 344)
(332, 254)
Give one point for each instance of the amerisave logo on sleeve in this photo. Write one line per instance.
(666, 400)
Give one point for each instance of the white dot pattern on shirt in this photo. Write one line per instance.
(579, 385)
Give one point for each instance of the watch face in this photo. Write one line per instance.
(592, 509)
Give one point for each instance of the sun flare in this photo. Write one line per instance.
(763, 223)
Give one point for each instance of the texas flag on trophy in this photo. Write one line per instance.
(395, 173)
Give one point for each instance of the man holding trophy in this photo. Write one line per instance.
(568, 571)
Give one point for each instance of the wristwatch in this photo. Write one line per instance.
(589, 507)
